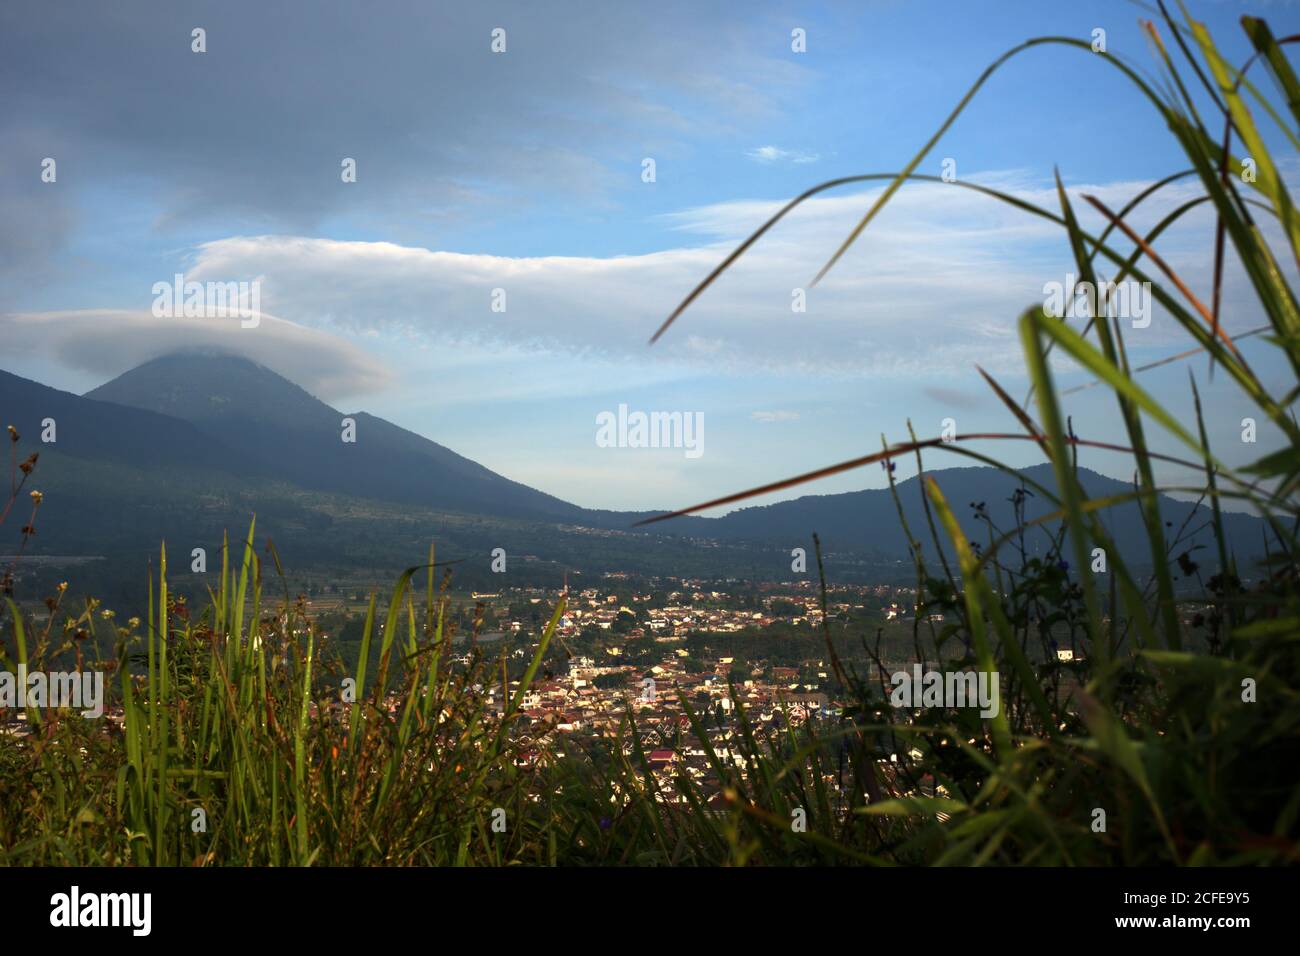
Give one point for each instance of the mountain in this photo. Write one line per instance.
(186, 447)
(277, 429)
(869, 519)
(101, 430)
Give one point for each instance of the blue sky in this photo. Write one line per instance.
(523, 171)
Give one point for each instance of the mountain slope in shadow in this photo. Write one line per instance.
(188, 445)
(277, 429)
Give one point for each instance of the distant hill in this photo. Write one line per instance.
(277, 429)
(870, 517)
(187, 446)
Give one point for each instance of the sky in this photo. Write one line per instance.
(491, 278)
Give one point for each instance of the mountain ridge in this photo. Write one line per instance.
(237, 436)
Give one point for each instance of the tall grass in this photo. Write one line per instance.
(1190, 764)
(241, 743)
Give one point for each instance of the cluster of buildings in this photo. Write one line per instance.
(692, 609)
(593, 702)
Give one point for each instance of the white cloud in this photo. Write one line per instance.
(774, 154)
(111, 341)
(933, 286)
(774, 416)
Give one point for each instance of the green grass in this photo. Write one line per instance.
(234, 713)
